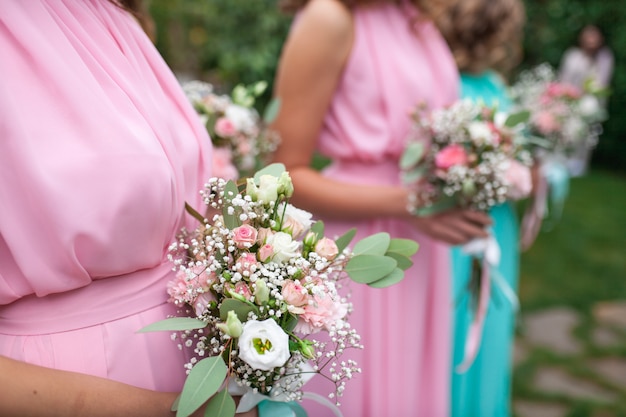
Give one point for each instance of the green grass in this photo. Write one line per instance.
(582, 260)
(578, 263)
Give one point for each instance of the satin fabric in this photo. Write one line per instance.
(485, 389)
(99, 151)
(397, 62)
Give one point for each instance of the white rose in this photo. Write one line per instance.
(263, 345)
(296, 221)
(284, 246)
(480, 133)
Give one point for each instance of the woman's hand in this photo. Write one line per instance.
(454, 227)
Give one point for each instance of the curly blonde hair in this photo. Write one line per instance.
(484, 34)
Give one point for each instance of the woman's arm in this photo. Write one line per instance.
(28, 390)
(310, 68)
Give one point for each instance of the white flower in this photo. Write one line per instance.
(480, 133)
(296, 221)
(284, 246)
(267, 191)
(241, 117)
(263, 345)
(589, 106)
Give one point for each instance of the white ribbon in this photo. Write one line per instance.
(250, 398)
(488, 251)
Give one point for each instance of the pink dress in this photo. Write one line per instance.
(405, 328)
(99, 150)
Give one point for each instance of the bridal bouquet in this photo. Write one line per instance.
(475, 158)
(242, 142)
(563, 117)
(258, 285)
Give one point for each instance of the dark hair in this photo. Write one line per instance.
(138, 10)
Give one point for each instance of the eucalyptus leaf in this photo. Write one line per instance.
(412, 155)
(406, 247)
(369, 268)
(343, 241)
(517, 118)
(204, 379)
(271, 111)
(174, 406)
(390, 279)
(240, 308)
(221, 405)
(318, 229)
(174, 324)
(404, 263)
(413, 175)
(376, 244)
(275, 170)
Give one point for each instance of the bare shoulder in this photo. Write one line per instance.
(330, 18)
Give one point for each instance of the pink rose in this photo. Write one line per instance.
(264, 233)
(326, 248)
(247, 263)
(243, 289)
(294, 293)
(244, 236)
(321, 314)
(225, 127)
(546, 123)
(222, 164)
(451, 155)
(519, 179)
(201, 302)
(265, 252)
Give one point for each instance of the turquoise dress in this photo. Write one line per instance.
(484, 389)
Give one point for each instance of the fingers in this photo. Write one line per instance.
(455, 227)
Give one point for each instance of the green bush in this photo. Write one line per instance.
(552, 27)
(231, 41)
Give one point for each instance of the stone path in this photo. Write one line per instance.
(567, 365)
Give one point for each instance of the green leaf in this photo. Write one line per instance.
(318, 229)
(404, 263)
(221, 405)
(271, 111)
(412, 155)
(290, 322)
(174, 324)
(230, 220)
(413, 175)
(258, 88)
(275, 170)
(204, 379)
(517, 118)
(343, 241)
(194, 213)
(406, 247)
(175, 403)
(240, 308)
(369, 268)
(376, 244)
(390, 279)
